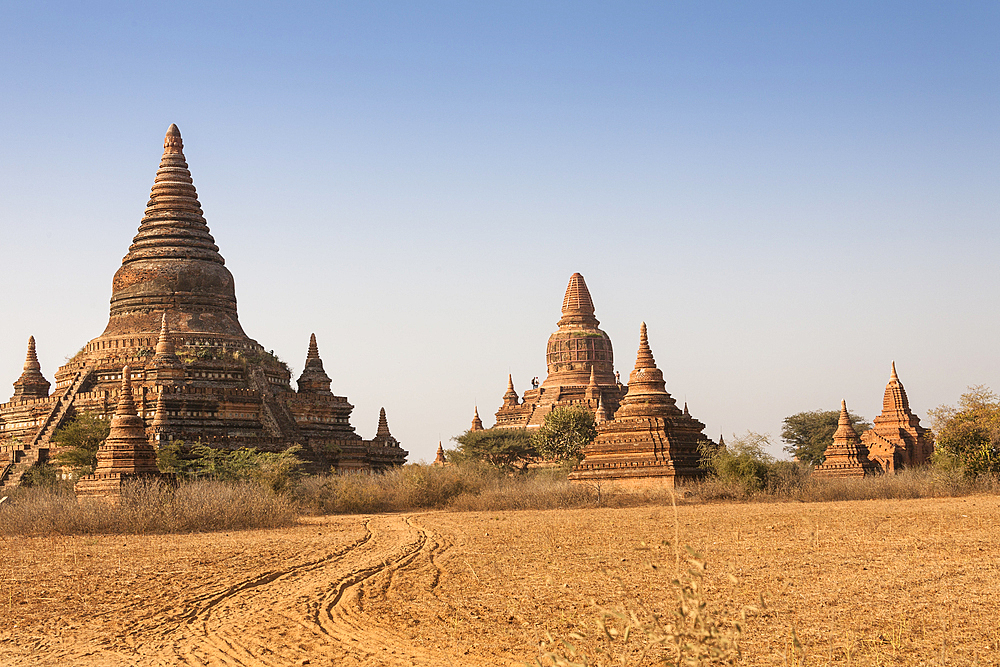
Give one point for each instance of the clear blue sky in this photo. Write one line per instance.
(791, 195)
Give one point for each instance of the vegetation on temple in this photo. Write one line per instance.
(275, 470)
(564, 434)
(967, 436)
(807, 434)
(80, 439)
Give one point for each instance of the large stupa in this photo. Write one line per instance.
(173, 320)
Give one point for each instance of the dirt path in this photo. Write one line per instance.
(309, 611)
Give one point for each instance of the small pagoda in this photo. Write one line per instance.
(126, 455)
(896, 439)
(650, 442)
(847, 456)
(580, 362)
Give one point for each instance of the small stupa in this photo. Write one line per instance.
(126, 455)
(847, 456)
(650, 441)
(439, 459)
(31, 384)
(477, 423)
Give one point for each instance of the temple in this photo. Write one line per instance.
(196, 375)
(896, 439)
(580, 364)
(649, 442)
(847, 456)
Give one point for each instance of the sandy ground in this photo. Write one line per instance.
(859, 583)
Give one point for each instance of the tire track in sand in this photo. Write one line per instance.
(313, 611)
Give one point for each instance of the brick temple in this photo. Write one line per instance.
(581, 367)
(649, 442)
(196, 375)
(896, 439)
(895, 442)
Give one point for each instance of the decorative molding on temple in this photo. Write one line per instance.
(649, 442)
(580, 362)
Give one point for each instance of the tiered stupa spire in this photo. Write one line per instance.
(314, 379)
(439, 458)
(173, 263)
(31, 384)
(647, 393)
(579, 348)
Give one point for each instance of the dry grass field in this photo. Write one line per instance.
(905, 582)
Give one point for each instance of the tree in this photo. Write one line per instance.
(743, 464)
(504, 448)
(565, 433)
(79, 440)
(808, 434)
(967, 437)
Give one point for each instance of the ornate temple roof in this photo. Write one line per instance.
(173, 264)
(578, 307)
(477, 423)
(126, 449)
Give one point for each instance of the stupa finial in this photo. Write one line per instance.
(31, 358)
(126, 404)
(313, 352)
(893, 376)
(172, 143)
(165, 344)
(644, 358)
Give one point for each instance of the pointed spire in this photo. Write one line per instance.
(31, 358)
(578, 307)
(510, 397)
(601, 415)
(313, 353)
(31, 384)
(894, 401)
(314, 379)
(593, 392)
(644, 358)
(477, 423)
(382, 434)
(160, 415)
(686, 413)
(383, 425)
(165, 344)
(439, 458)
(126, 402)
(722, 441)
(173, 226)
(647, 392)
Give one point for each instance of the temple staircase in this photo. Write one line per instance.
(24, 456)
(276, 416)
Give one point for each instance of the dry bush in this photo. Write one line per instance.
(925, 482)
(146, 507)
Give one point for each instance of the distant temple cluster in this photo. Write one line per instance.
(895, 441)
(175, 358)
(643, 438)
